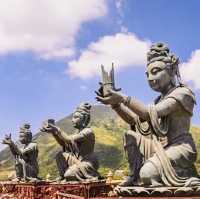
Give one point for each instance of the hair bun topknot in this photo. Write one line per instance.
(161, 52)
(84, 107)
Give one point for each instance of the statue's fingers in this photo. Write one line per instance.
(50, 125)
(42, 129)
(111, 91)
(98, 93)
(118, 89)
(98, 98)
(104, 100)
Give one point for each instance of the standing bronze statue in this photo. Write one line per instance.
(26, 165)
(160, 149)
(77, 161)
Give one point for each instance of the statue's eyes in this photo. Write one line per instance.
(147, 74)
(154, 71)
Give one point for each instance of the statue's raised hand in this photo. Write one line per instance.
(100, 90)
(113, 97)
(49, 127)
(7, 140)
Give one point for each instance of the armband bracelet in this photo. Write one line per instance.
(127, 101)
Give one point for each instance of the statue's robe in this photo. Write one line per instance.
(26, 164)
(167, 144)
(78, 161)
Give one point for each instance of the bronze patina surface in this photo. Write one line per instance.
(161, 151)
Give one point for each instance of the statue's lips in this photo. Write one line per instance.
(73, 123)
(153, 83)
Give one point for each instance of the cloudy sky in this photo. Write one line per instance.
(51, 52)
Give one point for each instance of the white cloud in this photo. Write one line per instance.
(47, 27)
(124, 49)
(190, 70)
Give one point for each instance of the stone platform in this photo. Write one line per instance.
(92, 190)
(47, 190)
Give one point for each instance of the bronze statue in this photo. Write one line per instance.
(26, 165)
(160, 149)
(77, 161)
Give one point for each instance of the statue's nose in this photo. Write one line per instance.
(151, 77)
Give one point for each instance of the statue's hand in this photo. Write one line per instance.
(113, 98)
(100, 90)
(49, 128)
(7, 140)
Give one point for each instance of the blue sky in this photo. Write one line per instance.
(51, 51)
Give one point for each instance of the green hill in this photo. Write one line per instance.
(108, 129)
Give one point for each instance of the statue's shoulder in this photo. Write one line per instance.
(184, 96)
(183, 91)
(32, 145)
(87, 131)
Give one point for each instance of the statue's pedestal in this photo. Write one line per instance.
(93, 190)
(47, 190)
(161, 192)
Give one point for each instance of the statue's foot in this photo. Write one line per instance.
(17, 179)
(60, 179)
(156, 184)
(33, 180)
(128, 182)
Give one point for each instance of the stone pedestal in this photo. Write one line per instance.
(46, 190)
(92, 190)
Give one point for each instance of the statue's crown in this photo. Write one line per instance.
(84, 108)
(160, 52)
(25, 128)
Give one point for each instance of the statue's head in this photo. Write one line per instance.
(25, 135)
(81, 116)
(162, 68)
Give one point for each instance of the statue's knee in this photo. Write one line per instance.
(70, 173)
(146, 174)
(149, 173)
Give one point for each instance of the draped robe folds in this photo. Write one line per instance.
(26, 164)
(167, 143)
(78, 159)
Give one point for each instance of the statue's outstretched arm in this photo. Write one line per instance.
(125, 113)
(15, 149)
(137, 107)
(78, 137)
(163, 108)
(61, 137)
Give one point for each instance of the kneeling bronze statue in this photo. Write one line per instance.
(77, 161)
(160, 149)
(26, 165)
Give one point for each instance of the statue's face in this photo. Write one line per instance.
(158, 76)
(77, 120)
(23, 138)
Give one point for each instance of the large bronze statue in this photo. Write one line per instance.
(26, 164)
(77, 161)
(160, 149)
